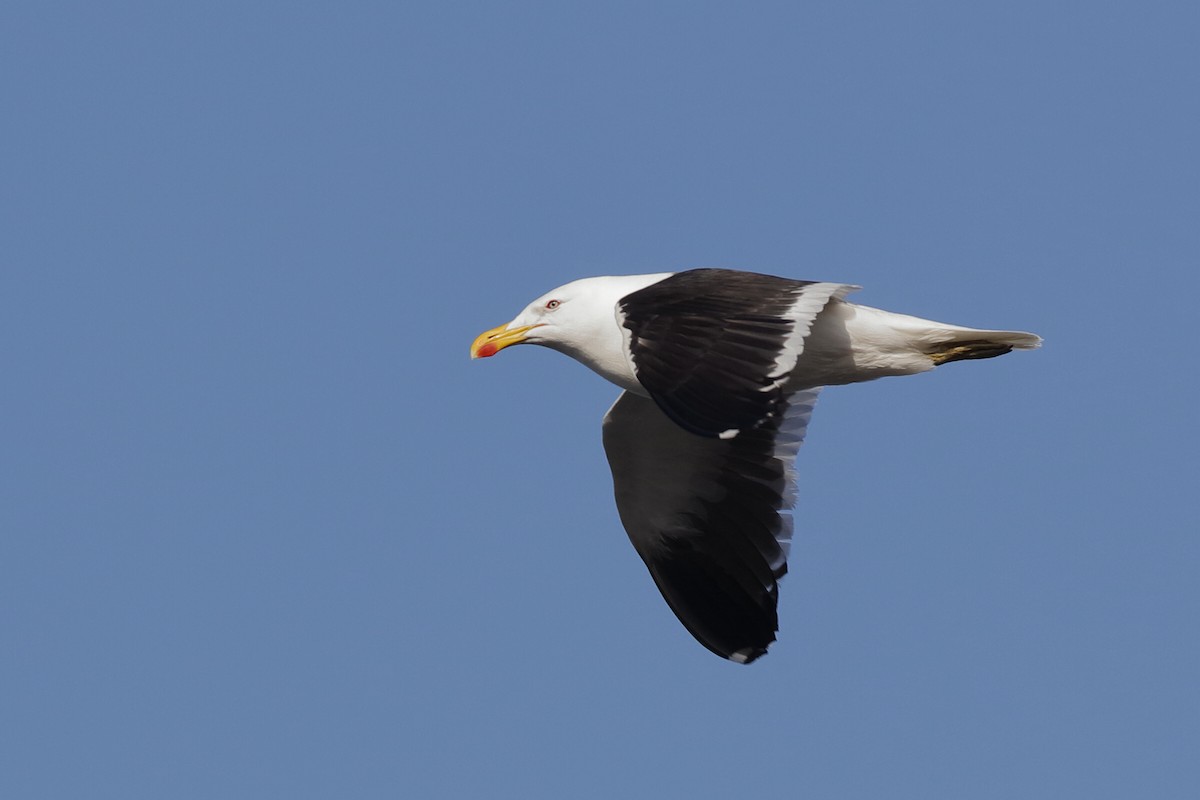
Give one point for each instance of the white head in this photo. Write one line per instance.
(578, 319)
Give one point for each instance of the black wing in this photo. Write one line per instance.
(709, 517)
(715, 347)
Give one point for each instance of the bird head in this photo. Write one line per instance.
(574, 318)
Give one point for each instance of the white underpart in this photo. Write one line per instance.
(810, 301)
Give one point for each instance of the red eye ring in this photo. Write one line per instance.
(553, 304)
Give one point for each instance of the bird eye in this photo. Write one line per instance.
(553, 304)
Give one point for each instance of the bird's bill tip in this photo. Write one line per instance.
(493, 341)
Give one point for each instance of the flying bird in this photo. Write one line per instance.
(720, 371)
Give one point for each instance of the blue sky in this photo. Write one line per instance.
(265, 531)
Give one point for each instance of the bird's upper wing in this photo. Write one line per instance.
(714, 348)
(710, 517)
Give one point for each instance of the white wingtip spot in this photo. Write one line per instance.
(729, 434)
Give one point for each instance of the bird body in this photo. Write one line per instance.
(721, 370)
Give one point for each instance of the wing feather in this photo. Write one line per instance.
(710, 517)
(715, 348)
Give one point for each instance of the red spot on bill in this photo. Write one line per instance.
(486, 349)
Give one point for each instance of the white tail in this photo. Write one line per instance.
(851, 343)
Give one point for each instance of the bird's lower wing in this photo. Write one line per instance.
(710, 517)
